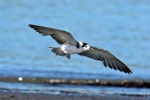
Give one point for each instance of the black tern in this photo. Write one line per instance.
(70, 46)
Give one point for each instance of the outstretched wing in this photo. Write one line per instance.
(107, 58)
(62, 37)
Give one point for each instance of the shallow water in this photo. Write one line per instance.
(73, 89)
(122, 27)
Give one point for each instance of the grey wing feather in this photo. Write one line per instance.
(107, 58)
(62, 37)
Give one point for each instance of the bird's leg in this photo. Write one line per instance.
(68, 56)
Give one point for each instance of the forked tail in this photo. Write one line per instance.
(59, 52)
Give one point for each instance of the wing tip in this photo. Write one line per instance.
(35, 27)
(125, 70)
(31, 25)
(128, 72)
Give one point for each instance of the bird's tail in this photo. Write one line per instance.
(59, 52)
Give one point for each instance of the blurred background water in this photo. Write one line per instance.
(121, 27)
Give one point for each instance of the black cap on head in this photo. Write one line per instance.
(84, 44)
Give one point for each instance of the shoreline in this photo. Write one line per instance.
(41, 96)
(16, 94)
(95, 82)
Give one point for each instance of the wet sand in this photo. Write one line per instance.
(41, 96)
(8, 94)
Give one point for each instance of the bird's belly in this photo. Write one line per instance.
(70, 49)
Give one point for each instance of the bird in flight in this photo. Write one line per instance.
(69, 45)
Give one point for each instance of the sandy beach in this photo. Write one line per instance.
(41, 96)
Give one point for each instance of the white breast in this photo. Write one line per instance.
(70, 49)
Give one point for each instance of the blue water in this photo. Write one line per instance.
(73, 89)
(121, 27)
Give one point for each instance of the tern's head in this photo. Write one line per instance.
(85, 46)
